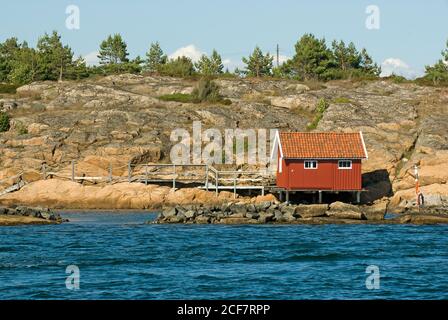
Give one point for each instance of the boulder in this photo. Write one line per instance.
(169, 212)
(311, 210)
(201, 219)
(265, 217)
(263, 206)
(237, 220)
(376, 211)
(343, 207)
(356, 215)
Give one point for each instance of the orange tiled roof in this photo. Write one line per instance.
(322, 145)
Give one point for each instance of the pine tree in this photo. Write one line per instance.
(54, 58)
(25, 66)
(155, 58)
(438, 72)
(367, 65)
(210, 66)
(312, 58)
(258, 64)
(113, 52)
(8, 52)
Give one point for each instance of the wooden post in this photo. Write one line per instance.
(174, 177)
(234, 186)
(146, 175)
(73, 170)
(129, 172)
(110, 173)
(262, 191)
(287, 196)
(206, 177)
(280, 195)
(358, 196)
(320, 196)
(216, 183)
(44, 171)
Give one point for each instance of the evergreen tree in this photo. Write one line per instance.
(367, 65)
(180, 67)
(25, 66)
(113, 52)
(8, 52)
(258, 64)
(438, 72)
(54, 58)
(312, 58)
(155, 58)
(210, 66)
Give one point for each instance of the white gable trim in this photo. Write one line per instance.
(363, 144)
(277, 145)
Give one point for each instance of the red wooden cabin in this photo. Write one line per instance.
(319, 161)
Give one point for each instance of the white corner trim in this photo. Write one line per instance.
(280, 165)
(277, 144)
(363, 144)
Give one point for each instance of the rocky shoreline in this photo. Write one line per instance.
(21, 215)
(268, 212)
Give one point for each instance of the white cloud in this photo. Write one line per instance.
(189, 51)
(92, 58)
(398, 67)
(227, 62)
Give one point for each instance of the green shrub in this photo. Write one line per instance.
(321, 107)
(4, 122)
(178, 97)
(341, 100)
(207, 90)
(180, 67)
(8, 88)
(21, 128)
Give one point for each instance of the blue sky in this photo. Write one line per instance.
(411, 33)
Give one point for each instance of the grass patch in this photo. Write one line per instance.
(322, 106)
(205, 91)
(341, 100)
(178, 97)
(7, 88)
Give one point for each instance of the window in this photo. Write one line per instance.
(310, 164)
(344, 164)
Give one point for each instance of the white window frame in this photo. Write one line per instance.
(312, 167)
(345, 168)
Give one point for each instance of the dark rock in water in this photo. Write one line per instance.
(39, 213)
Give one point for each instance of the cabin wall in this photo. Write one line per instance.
(282, 177)
(327, 176)
(348, 179)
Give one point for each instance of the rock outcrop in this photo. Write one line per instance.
(120, 119)
(265, 212)
(26, 215)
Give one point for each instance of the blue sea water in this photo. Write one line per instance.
(120, 257)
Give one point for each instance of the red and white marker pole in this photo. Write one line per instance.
(417, 186)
